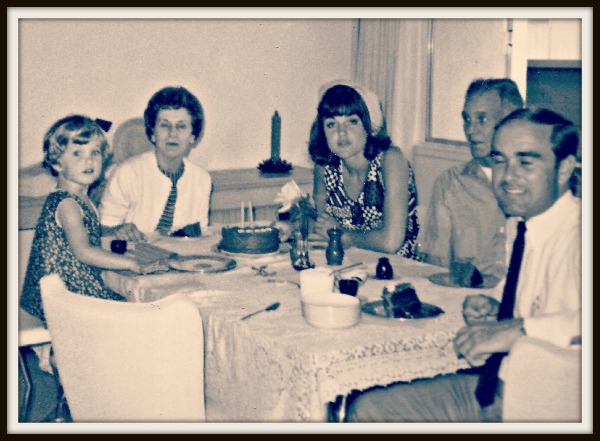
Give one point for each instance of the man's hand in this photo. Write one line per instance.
(476, 343)
(479, 309)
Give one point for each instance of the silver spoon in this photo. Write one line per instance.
(272, 307)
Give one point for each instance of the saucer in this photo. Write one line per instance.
(219, 250)
(427, 311)
(444, 279)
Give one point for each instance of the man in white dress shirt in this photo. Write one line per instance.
(533, 158)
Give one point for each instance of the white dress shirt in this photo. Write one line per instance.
(549, 288)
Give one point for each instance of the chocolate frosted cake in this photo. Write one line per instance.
(249, 240)
(401, 301)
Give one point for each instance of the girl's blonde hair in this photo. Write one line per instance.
(78, 129)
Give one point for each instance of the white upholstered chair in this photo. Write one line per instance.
(130, 140)
(127, 362)
(542, 383)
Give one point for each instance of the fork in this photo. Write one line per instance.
(262, 271)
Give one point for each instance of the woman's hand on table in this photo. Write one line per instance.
(148, 268)
(323, 223)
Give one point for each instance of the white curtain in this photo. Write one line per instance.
(374, 61)
(391, 58)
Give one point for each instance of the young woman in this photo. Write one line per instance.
(362, 183)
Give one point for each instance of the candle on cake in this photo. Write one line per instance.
(275, 137)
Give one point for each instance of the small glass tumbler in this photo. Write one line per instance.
(118, 246)
(348, 286)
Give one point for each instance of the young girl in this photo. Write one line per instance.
(67, 235)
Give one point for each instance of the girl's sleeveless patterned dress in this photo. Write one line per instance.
(366, 213)
(50, 253)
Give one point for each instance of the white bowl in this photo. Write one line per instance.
(331, 310)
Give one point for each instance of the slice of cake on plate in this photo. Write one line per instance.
(401, 301)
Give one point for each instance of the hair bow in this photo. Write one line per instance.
(104, 125)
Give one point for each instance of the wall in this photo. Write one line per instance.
(242, 70)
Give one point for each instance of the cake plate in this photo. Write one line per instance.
(219, 250)
(202, 264)
(444, 279)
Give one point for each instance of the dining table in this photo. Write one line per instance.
(276, 367)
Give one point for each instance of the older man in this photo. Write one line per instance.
(464, 219)
(533, 158)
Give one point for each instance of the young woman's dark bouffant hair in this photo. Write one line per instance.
(342, 100)
(174, 98)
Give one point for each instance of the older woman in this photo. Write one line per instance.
(362, 183)
(161, 190)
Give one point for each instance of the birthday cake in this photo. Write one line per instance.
(401, 301)
(249, 240)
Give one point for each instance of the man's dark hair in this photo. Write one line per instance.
(565, 134)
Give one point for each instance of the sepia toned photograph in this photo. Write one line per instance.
(299, 220)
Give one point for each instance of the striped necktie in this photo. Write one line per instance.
(488, 377)
(166, 220)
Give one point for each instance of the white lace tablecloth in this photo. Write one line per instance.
(275, 367)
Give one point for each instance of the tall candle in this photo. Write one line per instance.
(275, 136)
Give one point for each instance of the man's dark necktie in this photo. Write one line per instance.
(488, 377)
(166, 220)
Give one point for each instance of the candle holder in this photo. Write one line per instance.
(275, 167)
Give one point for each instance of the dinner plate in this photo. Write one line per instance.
(219, 250)
(427, 311)
(392, 279)
(444, 279)
(202, 264)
